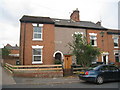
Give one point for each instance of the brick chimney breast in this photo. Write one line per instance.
(75, 15)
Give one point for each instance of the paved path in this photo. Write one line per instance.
(7, 78)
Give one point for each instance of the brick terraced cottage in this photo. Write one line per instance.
(44, 39)
(36, 40)
(114, 45)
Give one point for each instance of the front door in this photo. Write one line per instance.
(67, 65)
(104, 59)
(67, 62)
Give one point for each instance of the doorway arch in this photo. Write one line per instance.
(59, 55)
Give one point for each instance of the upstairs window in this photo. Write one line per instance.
(115, 39)
(93, 39)
(37, 32)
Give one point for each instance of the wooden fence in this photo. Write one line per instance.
(41, 70)
(77, 68)
(22, 70)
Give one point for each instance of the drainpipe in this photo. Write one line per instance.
(86, 36)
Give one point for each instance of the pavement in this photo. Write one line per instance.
(8, 79)
(0, 78)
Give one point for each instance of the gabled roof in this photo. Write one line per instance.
(81, 24)
(36, 19)
(8, 46)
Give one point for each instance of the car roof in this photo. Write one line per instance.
(99, 66)
(105, 65)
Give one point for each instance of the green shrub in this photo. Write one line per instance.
(57, 61)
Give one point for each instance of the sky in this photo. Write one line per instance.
(11, 11)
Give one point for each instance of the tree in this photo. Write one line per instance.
(5, 52)
(85, 53)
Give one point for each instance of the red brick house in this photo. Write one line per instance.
(43, 39)
(114, 45)
(108, 41)
(13, 56)
(36, 40)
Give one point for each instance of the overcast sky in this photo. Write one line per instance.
(90, 10)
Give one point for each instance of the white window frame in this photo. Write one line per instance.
(95, 38)
(41, 26)
(93, 34)
(117, 51)
(37, 47)
(117, 37)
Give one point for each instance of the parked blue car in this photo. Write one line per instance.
(100, 74)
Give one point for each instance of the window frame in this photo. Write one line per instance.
(118, 55)
(94, 39)
(37, 47)
(41, 33)
(117, 39)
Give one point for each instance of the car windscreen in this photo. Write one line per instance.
(94, 68)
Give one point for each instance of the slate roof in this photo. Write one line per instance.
(8, 46)
(62, 22)
(115, 31)
(81, 24)
(36, 19)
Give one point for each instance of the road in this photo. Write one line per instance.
(81, 84)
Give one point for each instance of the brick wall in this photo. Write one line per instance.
(14, 51)
(10, 60)
(40, 74)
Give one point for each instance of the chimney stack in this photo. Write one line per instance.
(75, 15)
(99, 23)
